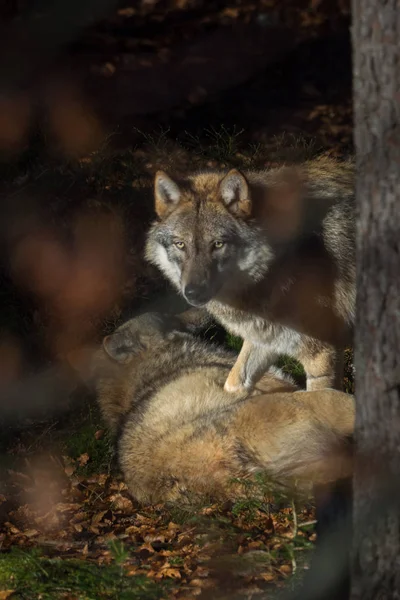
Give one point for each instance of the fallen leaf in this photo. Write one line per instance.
(202, 572)
(29, 533)
(169, 572)
(268, 576)
(132, 530)
(202, 583)
(255, 545)
(285, 569)
(107, 537)
(154, 538)
(232, 13)
(85, 549)
(83, 459)
(121, 503)
(102, 479)
(146, 548)
(126, 12)
(69, 470)
(96, 521)
(65, 506)
(6, 594)
(12, 528)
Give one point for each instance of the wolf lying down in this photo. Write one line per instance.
(180, 435)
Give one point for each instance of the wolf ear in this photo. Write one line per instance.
(121, 346)
(235, 193)
(167, 194)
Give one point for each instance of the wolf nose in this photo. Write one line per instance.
(196, 294)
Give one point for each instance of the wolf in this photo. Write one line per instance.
(270, 255)
(181, 436)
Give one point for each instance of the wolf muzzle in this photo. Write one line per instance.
(197, 294)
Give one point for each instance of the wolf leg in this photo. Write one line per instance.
(324, 369)
(250, 366)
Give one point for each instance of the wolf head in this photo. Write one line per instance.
(205, 240)
(142, 333)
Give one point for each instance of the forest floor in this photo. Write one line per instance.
(68, 528)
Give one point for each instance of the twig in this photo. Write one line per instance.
(295, 530)
(307, 523)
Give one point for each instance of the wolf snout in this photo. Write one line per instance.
(197, 294)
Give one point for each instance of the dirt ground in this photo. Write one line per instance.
(97, 97)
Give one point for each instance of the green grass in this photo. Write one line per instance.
(292, 367)
(82, 440)
(233, 342)
(221, 145)
(33, 576)
(289, 365)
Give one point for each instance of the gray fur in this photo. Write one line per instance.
(182, 436)
(284, 279)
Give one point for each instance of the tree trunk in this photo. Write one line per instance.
(376, 544)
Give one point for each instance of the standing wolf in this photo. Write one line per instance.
(181, 436)
(271, 255)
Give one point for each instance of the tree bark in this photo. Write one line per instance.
(376, 543)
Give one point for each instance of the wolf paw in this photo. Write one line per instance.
(234, 388)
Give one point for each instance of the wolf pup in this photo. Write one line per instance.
(182, 437)
(271, 255)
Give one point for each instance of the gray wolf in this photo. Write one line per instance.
(181, 436)
(271, 256)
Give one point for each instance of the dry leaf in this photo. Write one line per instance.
(202, 583)
(85, 549)
(12, 528)
(268, 576)
(83, 459)
(169, 572)
(6, 594)
(65, 506)
(151, 537)
(126, 12)
(29, 533)
(96, 521)
(285, 569)
(202, 572)
(121, 503)
(230, 12)
(146, 547)
(69, 470)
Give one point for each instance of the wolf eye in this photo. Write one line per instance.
(179, 245)
(218, 244)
